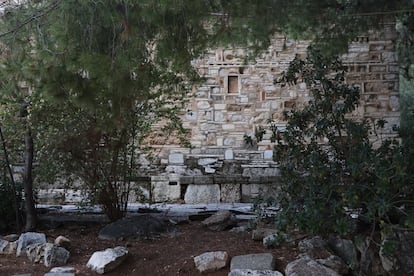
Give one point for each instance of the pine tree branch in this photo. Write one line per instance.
(41, 13)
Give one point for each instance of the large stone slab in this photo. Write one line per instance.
(202, 194)
(211, 261)
(26, 239)
(107, 260)
(142, 226)
(305, 266)
(262, 261)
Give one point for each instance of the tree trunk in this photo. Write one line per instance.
(29, 204)
(13, 184)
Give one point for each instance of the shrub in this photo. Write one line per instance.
(329, 166)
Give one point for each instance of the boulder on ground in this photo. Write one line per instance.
(26, 239)
(63, 242)
(7, 247)
(107, 260)
(220, 221)
(211, 261)
(48, 253)
(142, 226)
(263, 261)
(305, 266)
(249, 272)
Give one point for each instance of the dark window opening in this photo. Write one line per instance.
(233, 84)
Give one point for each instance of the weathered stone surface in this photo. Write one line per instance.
(335, 263)
(310, 244)
(63, 269)
(211, 261)
(8, 248)
(26, 239)
(142, 226)
(176, 158)
(220, 221)
(260, 233)
(344, 249)
(48, 253)
(305, 266)
(250, 272)
(63, 242)
(263, 261)
(400, 258)
(202, 194)
(11, 237)
(59, 274)
(55, 256)
(107, 260)
(230, 193)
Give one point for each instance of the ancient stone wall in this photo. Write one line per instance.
(238, 99)
(226, 162)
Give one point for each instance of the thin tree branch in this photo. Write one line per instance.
(42, 13)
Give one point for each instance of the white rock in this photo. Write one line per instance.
(249, 272)
(309, 267)
(26, 239)
(7, 248)
(104, 261)
(211, 261)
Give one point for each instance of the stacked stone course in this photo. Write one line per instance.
(237, 98)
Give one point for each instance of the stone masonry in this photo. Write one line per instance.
(238, 100)
(226, 163)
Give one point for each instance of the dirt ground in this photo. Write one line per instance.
(170, 254)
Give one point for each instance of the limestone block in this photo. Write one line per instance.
(211, 261)
(263, 261)
(26, 239)
(163, 191)
(228, 154)
(229, 141)
(219, 106)
(203, 105)
(307, 266)
(228, 126)
(206, 161)
(202, 194)
(268, 154)
(219, 116)
(220, 141)
(230, 193)
(176, 158)
(176, 169)
(107, 260)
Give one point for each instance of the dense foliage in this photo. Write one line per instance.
(330, 168)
